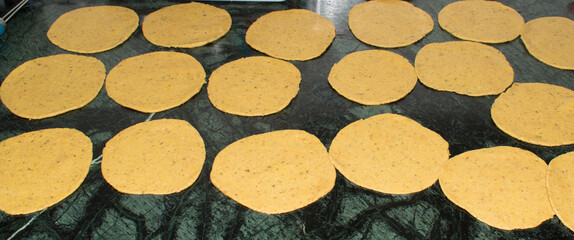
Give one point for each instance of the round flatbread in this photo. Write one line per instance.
(504, 187)
(186, 25)
(41, 168)
(295, 34)
(274, 172)
(536, 113)
(253, 86)
(155, 81)
(560, 182)
(49, 86)
(93, 29)
(549, 39)
(389, 153)
(389, 24)
(481, 21)
(467, 68)
(373, 77)
(156, 157)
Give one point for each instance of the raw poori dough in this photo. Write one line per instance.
(560, 180)
(549, 39)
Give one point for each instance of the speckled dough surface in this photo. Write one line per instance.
(549, 39)
(560, 182)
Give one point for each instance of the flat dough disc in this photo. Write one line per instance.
(389, 153)
(536, 113)
(253, 86)
(549, 39)
(295, 34)
(186, 25)
(274, 172)
(481, 21)
(560, 182)
(467, 68)
(49, 86)
(155, 81)
(504, 187)
(93, 29)
(41, 168)
(373, 77)
(156, 157)
(389, 24)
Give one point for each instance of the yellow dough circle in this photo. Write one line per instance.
(549, 39)
(560, 182)
(274, 172)
(93, 29)
(186, 25)
(49, 86)
(463, 67)
(156, 157)
(389, 153)
(253, 86)
(389, 24)
(481, 21)
(155, 81)
(504, 187)
(41, 168)
(536, 113)
(295, 34)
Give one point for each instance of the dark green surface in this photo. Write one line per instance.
(97, 211)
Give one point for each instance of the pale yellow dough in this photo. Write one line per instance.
(549, 39)
(560, 182)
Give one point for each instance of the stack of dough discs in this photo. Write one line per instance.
(156, 157)
(536, 113)
(549, 39)
(186, 25)
(481, 21)
(295, 34)
(93, 29)
(253, 86)
(274, 172)
(389, 153)
(390, 23)
(468, 68)
(41, 168)
(155, 81)
(560, 182)
(49, 86)
(505, 187)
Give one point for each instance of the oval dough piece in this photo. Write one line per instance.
(41, 168)
(93, 29)
(156, 157)
(481, 21)
(389, 153)
(504, 187)
(155, 81)
(549, 39)
(186, 25)
(295, 34)
(389, 24)
(560, 180)
(253, 86)
(49, 86)
(274, 172)
(467, 68)
(536, 113)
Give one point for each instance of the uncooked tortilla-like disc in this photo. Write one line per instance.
(504, 187)
(49, 86)
(93, 29)
(295, 34)
(156, 157)
(389, 153)
(155, 81)
(373, 77)
(560, 182)
(468, 68)
(549, 39)
(481, 21)
(253, 86)
(186, 25)
(41, 168)
(389, 24)
(536, 113)
(274, 172)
